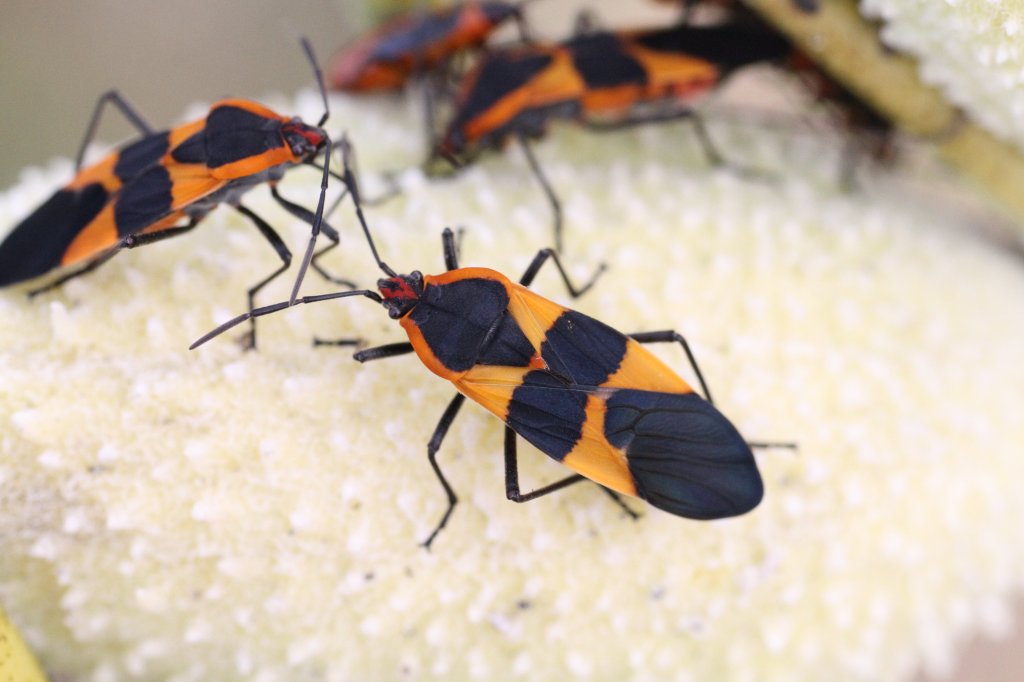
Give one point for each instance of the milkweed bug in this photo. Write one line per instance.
(416, 42)
(164, 184)
(849, 111)
(603, 80)
(583, 393)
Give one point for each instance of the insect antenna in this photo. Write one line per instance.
(276, 307)
(318, 219)
(319, 79)
(352, 183)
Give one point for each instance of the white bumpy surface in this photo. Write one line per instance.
(972, 49)
(221, 515)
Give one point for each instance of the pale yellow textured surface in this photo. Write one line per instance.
(972, 49)
(16, 662)
(221, 515)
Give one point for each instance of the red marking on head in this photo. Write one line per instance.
(304, 140)
(396, 287)
(401, 294)
(313, 135)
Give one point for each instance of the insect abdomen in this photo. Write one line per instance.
(684, 456)
(37, 245)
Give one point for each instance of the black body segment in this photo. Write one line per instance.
(601, 62)
(421, 36)
(548, 413)
(23, 255)
(456, 317)
(508, 346)
(140, 155)
(581, 349)
(728, 46)
(684, 455)
(192, 150)
(233, 134)
(143, 201)
(496, 79)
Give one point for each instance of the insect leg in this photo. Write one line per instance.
(432, 447)
(512, 479)
(249, 340)
(586, 23)
(671, 336)
(278, 307)
(451, 248)
(134, 240)
(525, 35)
(308, 216)
(88, 267)
(429, 84)
(542, 257)
(713, 156)
(393, 189)
(129, 242)
(556, 206)
(117, 99)
(387, 351)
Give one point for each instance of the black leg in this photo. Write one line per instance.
(671, 336)
(762, 445)
(88, 267)
(129, 242)
(450, 245)
(542, 257)
(512, 479)
(429, 84)
(318, 74)
(524, 29)
(352, 183)
(305, 215)
(336, 342)
(135, 240)
(393, 190)
(512, 474)
(585, 23)
(249, 340)
(617, 499)
(387, 351)
(556, 206)
(335, 240)
(117, 99)
(278, 307)
(713, 156)
(432, 447)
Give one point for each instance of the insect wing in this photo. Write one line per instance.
(684, 456)
(40, 242)
(604, 406)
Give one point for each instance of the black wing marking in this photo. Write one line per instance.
(684, 455)
(39, 242)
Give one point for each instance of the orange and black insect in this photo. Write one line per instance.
(603, 80)
(164, 184)
(416, 42)
(585, 394)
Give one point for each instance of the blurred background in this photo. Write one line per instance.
(57, 57)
